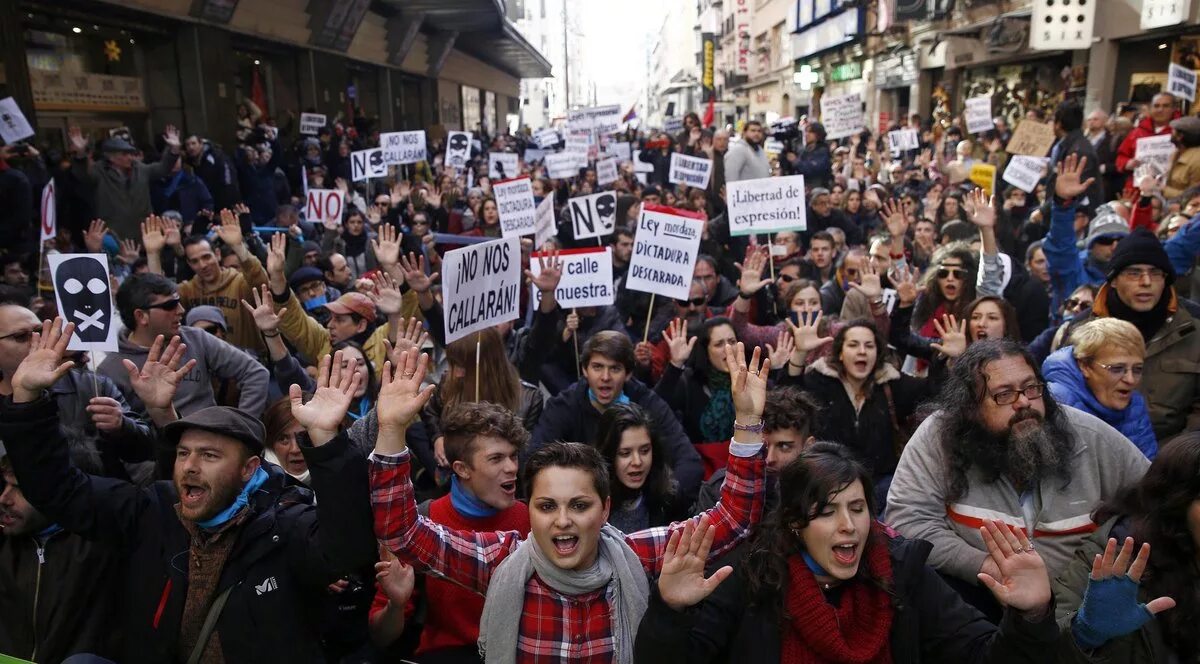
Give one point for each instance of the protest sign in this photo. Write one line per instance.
(673, 125)
(767, 205)
(1181, 82)
(903, 140)
(594, 215)
(640, 166)
(579, 144)
(622, 151)
(480, 286)
(503, 165)
(773, 146)
(82, 285)
(514, 200)
(1031, 138)
(984, 176)
(978, 114)
(458, 149)
(311, 123)
(546, 138)
(606, 171)
(692, 171)
(13, 125)
(587, 279)
(562, 165)
(598, 120)
(323, 205)
(534, 154)
(544, 223)
(1154, 153)
(664, 252)
(842, 115)
(1025, 172)
(366, 164)
(49, 213)
(403, 147)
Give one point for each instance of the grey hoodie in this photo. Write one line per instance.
(214, 358)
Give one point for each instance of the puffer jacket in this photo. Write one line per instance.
(1066, 382)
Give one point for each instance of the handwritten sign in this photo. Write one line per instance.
(324, 205)
(546, 228)
(481, 286)
(13, 125)
(1154, 153)
(665, 247)
(546, 138)
(692, 171)
(403, 147)
(978, 115)
(1025, 172)
(514, 200)
(594, 215)
(983, 175)
(767, 205)
(311, 123)
(562, 165)
(1031, 138)
(903, 140)
(842, 115)
(622, 151)
(366, 164)
(1181, 82)
(502, 165)
(598, 120)
(587, 279)
(606, 171)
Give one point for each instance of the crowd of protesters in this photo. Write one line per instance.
(936, 424)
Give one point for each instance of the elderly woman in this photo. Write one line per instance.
(1099, 374)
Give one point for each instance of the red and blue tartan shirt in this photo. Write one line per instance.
(554, 628)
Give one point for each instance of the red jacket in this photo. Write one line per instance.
(1128, 149)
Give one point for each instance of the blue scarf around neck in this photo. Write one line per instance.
(467, 504)
(257, 480)
(621, 398)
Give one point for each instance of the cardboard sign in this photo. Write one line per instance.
(1154, 153)
(597, 120)
(481, 286)
(587, 279)
(977, 113)
(606, 171)
(1031, 138)
(562, 165)
(984, 175)
(546, 138)
(1025, 172)
(311, 123)
(622, 151)
(514, 200)
(842, 115)
(458, 149)
(49, 213)
(13, 125)
(594, 215)
(403, 147)
(324, 204)
(365, 164)
(1056, 26)
(544, 222)
(903, 140)
(82, 285)
(692, 171)
(1181, 82)
(665, 247)
(502, 165)
(767, 205)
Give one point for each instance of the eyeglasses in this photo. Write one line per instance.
(1076, 303)
(956, 272)
(1138, 273)
(694, 302)
(169, 305)
(1118, 371)
(787, 278)
(1031, 392)
(1107, 240)
(20, 336)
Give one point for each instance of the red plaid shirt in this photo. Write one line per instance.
(554, 627)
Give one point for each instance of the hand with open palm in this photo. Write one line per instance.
(323, 414)
(401, 396)
(44, 365)
(678, 342)
(263, 311)
(1024, 583)
(807, 333)
(748, 382)
(953, 333)
(413, 267)
(157, 380)
(681, 583)
(1068, 184)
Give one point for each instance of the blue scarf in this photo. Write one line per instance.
(813, 566)
(318, 301)
(257, 480)
(1068, 386)
(621, 398)
(364, 407)
(467, 504)
(173, 185)
(49, 530)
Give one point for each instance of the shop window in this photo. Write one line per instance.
(471, 104)
(489, 113)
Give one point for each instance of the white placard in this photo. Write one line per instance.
(503, 165)
(903, 140)
(481, 286)
(1057, 25)
(1024, 172)
(621, 150)
(366, 164)
(594, 215)
(773, 146)
(403, 147)
(324, 204)
(544, 222)
(49, 215)
(311, 123)
(767, 205)
(665, 247)
(561, 165)
(1155, 152)
(514, 200)
(977, 114)
(1161, 13)
(640, 166)
(692, 171)
(842, 115)
(587, 279)
(546, 138)
(534, 154)
(13, 125)
(84, 297)
(579, 144)
(458, 149)
(673, 125)
(1181, 82)
(606, 171)
(599, 120)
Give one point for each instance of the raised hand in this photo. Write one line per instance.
(681, 583)
(907, 288)
(230, 230)
(870, 283)
(747, 382)
(386, 246)
(93, 238)
(413, 267)
(44, 364)
(551, 272)
(241, 208)
(980, 208)
(129, 252)
(894, 217)
(409, 336)
(158, 379)
(781, 352)
(1023, 583)
(752, 280)
(396, 579)
(1068, 185)
(323, 414)
(171, 137)
(173, 235)
(263, 311)
(401, 396)
(153, 237)
(386, 295)
(341, 185)
(277, 255)
(1110, 606)
(807, 333)
(77, 140)
(106, 413)
(678, 342)
(953, 333)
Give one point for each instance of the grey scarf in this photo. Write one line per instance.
(616, 564)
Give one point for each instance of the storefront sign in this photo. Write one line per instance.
(708, 54)
(1061, 25)
(838, 29)
(849, 71)
(54, 90)
(743, 10)
(897, 71)
(1160, 13)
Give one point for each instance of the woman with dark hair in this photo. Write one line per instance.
(688, 138)
(644, 495)
(488, 223)
(353, 242)
(949, 286)
(950, 209)
(987, 317)
(823, 581)
(815, 161)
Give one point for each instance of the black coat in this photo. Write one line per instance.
(219, 175)
(280, 548)
(932, 623)
(1077, 144)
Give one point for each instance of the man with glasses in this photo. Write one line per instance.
(998, 446)
(719, 289)
(150, 307)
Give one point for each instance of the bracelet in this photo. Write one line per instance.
(798, 366)
(752, 428)
(746, 296)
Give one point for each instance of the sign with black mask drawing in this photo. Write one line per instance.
(458, 149)
(81, 283)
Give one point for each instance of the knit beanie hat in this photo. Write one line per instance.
(1140, 247)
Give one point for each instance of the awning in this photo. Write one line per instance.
(987, 22)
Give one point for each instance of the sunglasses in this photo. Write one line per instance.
(957, 273)
(787, 278)
(1106, 241)
(1076, 303)
(695, 302)
(169, 305)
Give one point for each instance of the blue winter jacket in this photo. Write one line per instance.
(1067, 385)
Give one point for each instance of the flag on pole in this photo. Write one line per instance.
(49, 212)
(257, 94)
(631, 115)
(709, 112)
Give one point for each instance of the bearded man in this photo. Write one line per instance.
(999, 447)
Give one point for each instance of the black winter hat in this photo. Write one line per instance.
(221, 420)
(1140, 247)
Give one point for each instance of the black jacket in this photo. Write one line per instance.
(134, 443)
(279, 568)
(1078, 144)
(932, 623)
(219, 175)
(571, 417)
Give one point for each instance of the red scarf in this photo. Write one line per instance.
(930, 332)
(856, 632)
